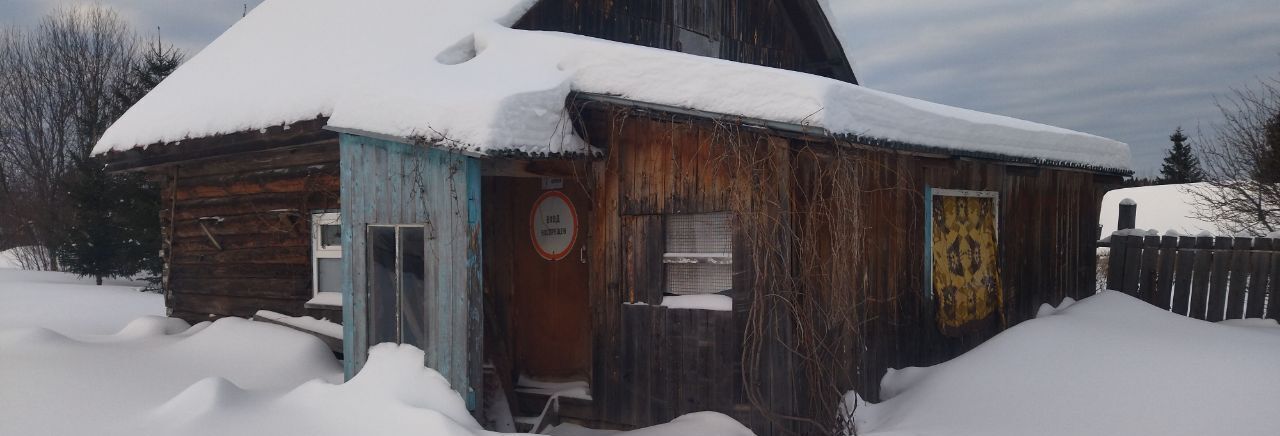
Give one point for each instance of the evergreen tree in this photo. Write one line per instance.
(95, 240)
(115, 230)
(1180, 163)
(1268, 171)
(156, 63)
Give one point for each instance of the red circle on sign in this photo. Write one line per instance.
(533, 226)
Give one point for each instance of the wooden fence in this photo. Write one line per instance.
(1209, 278)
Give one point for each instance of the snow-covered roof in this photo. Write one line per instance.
(1162, 208)
(453, 71)
(292, 60)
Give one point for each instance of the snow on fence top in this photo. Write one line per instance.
(450, 71)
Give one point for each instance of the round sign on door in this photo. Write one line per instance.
(553, 225)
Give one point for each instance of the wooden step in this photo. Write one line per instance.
(532, 404)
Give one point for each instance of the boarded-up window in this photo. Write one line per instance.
(965, 276)
(699, 255)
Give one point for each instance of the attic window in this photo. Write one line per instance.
(699, 253)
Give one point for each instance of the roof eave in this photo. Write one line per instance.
(822, 133)
(297, 134)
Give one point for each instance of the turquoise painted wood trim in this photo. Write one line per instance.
(928, 243)
(387, 182)
(351, 304)
(475, 285)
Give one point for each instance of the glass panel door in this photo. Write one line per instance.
(396, 280)
(412, 287)
(383, 295)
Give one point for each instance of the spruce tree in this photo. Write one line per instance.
(1180, 163)
(156, 63)
(115, 230)
(94, 240)
(1268, 171)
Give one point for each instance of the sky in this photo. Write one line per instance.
(1130, 70)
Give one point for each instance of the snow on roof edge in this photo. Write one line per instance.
(553, 66)
(263, 38)
(906, 146)
(861, 139)
(462, 148)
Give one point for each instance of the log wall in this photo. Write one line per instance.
(237, 231)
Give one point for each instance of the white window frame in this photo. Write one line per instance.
(321, 251)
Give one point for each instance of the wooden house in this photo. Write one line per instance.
(754, 234)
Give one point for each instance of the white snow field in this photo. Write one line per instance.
(1162, 208)
(68, 305)
(9, 260)
(70, 365)
(1107, 365)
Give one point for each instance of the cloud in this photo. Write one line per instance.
(189, 25)
(1129, 70)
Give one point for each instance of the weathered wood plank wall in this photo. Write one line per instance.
(257, 207)
(1047, 221)
(678, 361)
(654, 169)
(784, 34)
(386, 182)
(659, 165)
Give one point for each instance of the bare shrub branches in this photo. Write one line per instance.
(56, 99)
(800, 207)
(1243, 162)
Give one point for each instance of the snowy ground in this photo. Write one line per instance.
(65, 304)
(72, 363)
(8, 260)
(1108, 365)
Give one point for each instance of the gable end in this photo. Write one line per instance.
(787, 34)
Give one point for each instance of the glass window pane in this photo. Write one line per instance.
(329, 275)
(698, 278)
(331, 235)
(413, 292)
(705, 234)
(382, 285)
(700, 233)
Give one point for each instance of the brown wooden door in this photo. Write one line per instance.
(550, 303)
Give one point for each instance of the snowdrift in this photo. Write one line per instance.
(1107, 365)
(159, 376)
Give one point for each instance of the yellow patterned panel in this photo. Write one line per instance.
(966, 281)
